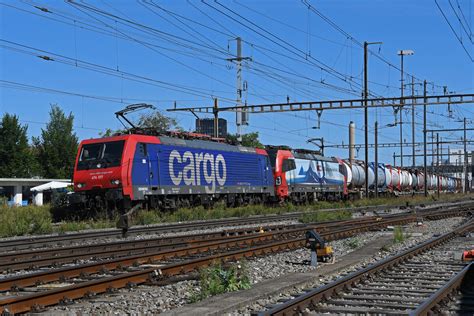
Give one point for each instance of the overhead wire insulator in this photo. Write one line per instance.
(43, 9)
(45, 57)
(319, 113)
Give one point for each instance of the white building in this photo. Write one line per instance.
(20, 185)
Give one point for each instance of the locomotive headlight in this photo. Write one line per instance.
(115, 182)
(80, 185)
(278, 180)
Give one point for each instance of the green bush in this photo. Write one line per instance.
(353, 243)
(146, 217)
(217, 279)
(74, 226)
(17, 221)
(398, 235)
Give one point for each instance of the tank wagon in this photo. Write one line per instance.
(184, 170)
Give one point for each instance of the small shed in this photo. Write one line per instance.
(53, 185)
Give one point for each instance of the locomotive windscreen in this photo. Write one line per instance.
(100, 155)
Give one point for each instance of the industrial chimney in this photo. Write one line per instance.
(351, 142)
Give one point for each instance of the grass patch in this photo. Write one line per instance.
(321, 216)
(74, 226)
(146, 217)
(398, 235)
(18, 221)
(385, 248)
(353, 243)
(217, 279)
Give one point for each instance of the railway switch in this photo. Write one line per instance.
(320, 250)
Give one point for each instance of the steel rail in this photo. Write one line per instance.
(51, 297)
(316, 295)
(430, 306)
(14, 261)
(54, 257)
(48, 240)
(119, 263)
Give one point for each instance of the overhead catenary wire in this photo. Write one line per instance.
(184, 53)
(454, 31)
(353, 39)
(280, 42)
(326, 85)
(54, 57)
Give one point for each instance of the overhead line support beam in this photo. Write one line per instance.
(340, 104)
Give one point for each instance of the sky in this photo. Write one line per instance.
(93, 58)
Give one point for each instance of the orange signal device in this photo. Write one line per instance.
(468, 255)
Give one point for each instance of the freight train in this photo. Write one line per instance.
(184, 170)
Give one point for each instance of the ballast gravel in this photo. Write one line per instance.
(154, 299)
(415, 235)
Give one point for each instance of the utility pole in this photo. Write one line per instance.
(441, 151)
(241, 118)
(366, 121)
(402, 53)
(466, 181)
(366, 115)
(376, 160)
(216, 118)
(413, 123)
(425, 169)
(432, 150)
(437, 162)
(401, 112)
(239, 89)
(437, 151)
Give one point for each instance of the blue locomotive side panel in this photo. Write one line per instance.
(171, 169)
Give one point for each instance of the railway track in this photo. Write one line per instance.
(32, 292)
(414, 282)
(34, 259)
(72, 238)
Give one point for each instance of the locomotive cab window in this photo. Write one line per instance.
(100, 155)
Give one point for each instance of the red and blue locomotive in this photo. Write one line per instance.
(166, 172)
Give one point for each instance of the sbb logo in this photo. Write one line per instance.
(189, 167)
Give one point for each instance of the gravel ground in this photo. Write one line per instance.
(153, 300)
(92, 241)
(5, 274)
(418, 235)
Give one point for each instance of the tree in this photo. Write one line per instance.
(248, 140)
(57, 146)
(154, 120)
(159, 122)
(16, 158)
